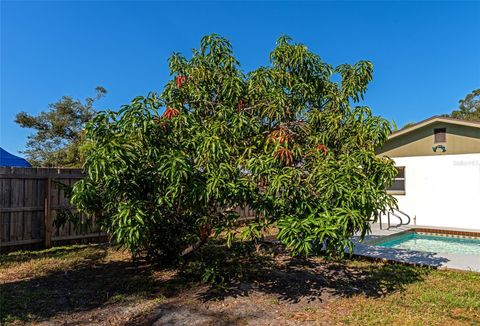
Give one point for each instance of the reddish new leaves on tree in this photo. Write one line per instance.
(281, 135)
(180, 80)
(322, 148)
(171, 113)
(285, 155)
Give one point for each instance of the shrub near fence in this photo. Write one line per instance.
(30, 199)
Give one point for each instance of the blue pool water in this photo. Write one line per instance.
(434, 243)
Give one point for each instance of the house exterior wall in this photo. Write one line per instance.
(441, 190)
(459, 140)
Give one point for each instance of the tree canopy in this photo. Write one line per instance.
(166, 171)
(58, 132)
(469, 107)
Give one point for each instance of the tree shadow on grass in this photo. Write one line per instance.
(95, 282)
(86, 285)
(297, 279)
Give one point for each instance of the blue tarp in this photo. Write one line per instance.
(7, 159)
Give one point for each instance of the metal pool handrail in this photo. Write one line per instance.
(395, 212)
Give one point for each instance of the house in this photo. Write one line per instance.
(438, 180)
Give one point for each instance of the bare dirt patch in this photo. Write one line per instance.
(292, 292)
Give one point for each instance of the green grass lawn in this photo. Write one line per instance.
(441, 297)
(101, 285)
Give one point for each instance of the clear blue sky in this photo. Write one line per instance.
(426, 55)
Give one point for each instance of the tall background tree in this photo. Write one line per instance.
(165, 173)
(469, 107)
(58, 133)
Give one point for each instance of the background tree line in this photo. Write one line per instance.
(59, 132)
(468, 109)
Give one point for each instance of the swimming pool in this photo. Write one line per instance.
(433, 243)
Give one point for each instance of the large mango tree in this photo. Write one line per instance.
(166, 172)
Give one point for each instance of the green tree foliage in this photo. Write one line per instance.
(408, 124)
(395, 127)
(282, 139)
(469, 107)
(58, 136)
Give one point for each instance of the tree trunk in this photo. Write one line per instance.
(193, 247)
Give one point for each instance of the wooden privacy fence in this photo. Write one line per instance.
(30, 199)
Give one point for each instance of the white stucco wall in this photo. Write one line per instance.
(442, 190)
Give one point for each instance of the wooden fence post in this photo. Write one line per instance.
(47, 240)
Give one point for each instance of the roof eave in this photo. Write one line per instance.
(431, 120)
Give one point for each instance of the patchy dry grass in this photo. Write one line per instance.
(69, 282)
(100, 285)
(441, 298)
(25, 264)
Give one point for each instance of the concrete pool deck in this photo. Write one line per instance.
(438, 260)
